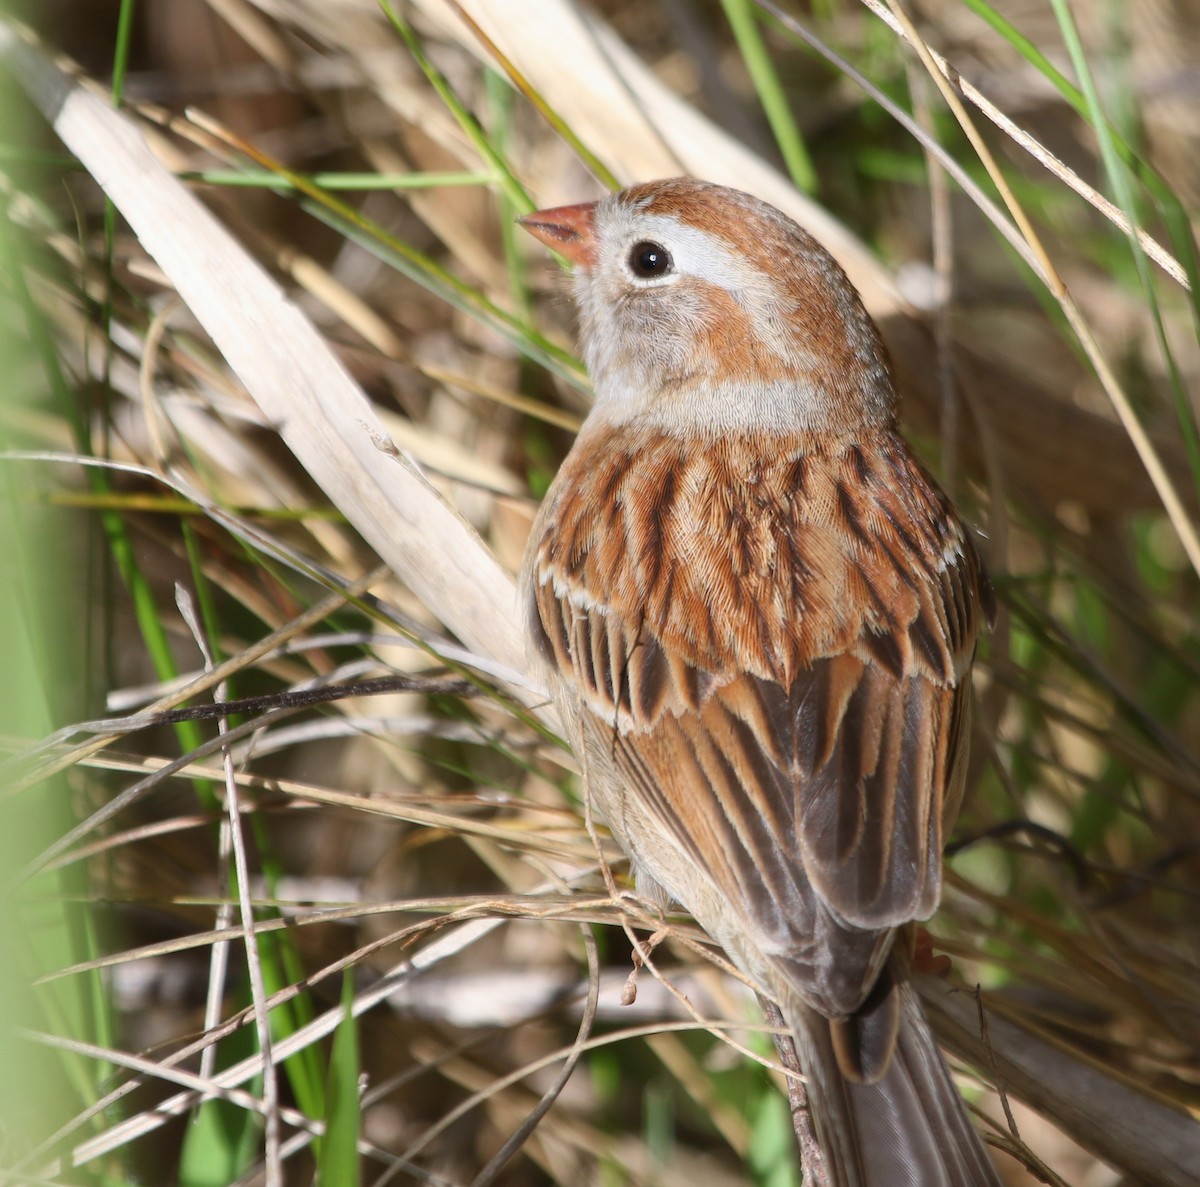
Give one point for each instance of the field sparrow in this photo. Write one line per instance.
(758, 616)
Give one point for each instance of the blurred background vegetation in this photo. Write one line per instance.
(420, 860)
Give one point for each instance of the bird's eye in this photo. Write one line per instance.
(648, 260)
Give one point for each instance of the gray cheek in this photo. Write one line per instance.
(637, 337)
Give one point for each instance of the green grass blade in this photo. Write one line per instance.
(450, 289)
(560, 126)
(746, 31)
(1114, 166)
(1175, 217)
(513, 189)
(222, 1139)
(415, 264)
(338, 1163)
(14, 260)
(500, 104)
(48, 923)
(282, 966)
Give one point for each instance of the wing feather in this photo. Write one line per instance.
(770, 665)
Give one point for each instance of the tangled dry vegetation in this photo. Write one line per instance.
(371, 941)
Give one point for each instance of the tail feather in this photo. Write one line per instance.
(909, 1128)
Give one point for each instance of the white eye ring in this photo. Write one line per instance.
(650, 263)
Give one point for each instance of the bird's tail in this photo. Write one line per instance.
(909, 1128)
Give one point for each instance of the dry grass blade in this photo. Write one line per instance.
(629, 116)
(1188, 534)
(303, 390)
(436, 844)
(1040, 153)
(1152, 1140)
(229, 1078)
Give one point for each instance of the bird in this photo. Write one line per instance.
(757, 615)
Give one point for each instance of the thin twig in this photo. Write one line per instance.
(812, 1159)
(519, 1136)
(1171, 501)
(941, 219)
(233, 835)
(1040, 153)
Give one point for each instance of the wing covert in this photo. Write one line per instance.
(776, 680)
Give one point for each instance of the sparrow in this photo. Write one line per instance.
(757, 615)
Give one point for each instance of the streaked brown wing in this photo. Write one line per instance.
(774, 679)
(820, 860)
(874, 763)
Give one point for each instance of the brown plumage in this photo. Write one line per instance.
(758, 615)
